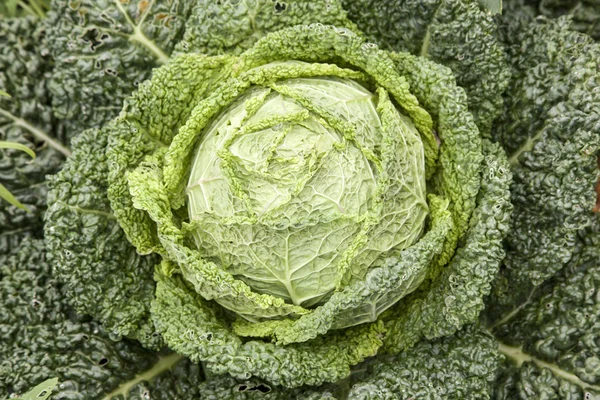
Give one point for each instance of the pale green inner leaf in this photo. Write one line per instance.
(292, 190)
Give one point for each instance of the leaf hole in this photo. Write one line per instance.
(257, 388)
(280, 7)
(92, 38)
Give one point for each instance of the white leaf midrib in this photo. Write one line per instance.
(37, 133)
(518, 356)
(164, 364)
(138, 34)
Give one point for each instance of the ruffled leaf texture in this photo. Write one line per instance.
(101, 272)
(456, 33)
(26, 118)
(123, 180)
(457, 366)
(584, 14)
(154, 182)
(550, 132)
(42, 338)
(104, 49)
(544, 304)
(550, 339)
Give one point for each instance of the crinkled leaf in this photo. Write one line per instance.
(362, 301)
(103, 50)
(101, 273)
(42, 338)
(26, 120)
(230, 26)
(453, 33)
(199, 329)
(459, 366)
(550, 340)
(456, 296)
(550, 131)
(458, 176)
(462, 366)
(585, 14)
(224, 387)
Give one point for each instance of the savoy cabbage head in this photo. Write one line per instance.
(313, 200)
(280, 200)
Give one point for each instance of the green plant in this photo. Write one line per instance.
(299, 185)
(19, 8)
(4, 193)
(42, 391)
(299, 200)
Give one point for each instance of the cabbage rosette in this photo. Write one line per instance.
(293, 209)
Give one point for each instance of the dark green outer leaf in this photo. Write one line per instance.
(232, 26)
(544, 303)
(551, 341)
(227, 388)
(26, 118)
(41, 338)
(458, 366)
(461, 366)
(585, 13)
(103, 50)
(551, 131)
(102, 274)
(454, 33)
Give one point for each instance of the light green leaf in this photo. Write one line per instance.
(4, 94)
(8, 196)
(4, 192)
(41, 391)
(38, 7)
(491, 6)
(17, 146)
